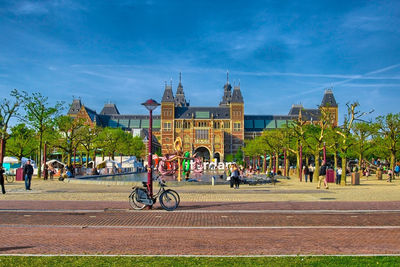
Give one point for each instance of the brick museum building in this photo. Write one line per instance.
(212, 131)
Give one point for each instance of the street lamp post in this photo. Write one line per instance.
(150, 105)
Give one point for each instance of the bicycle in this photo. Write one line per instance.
(9, 178)
(139, 197)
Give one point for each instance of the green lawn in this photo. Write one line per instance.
(197, 261)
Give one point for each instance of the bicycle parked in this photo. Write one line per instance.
(139, 198)
(9, 178)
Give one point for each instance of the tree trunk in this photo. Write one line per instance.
(87, 158)
(316, 171)
(344, 171)
(277, 162)
(69, 160)
(392, 160)
(270, 163)
(265, 163)
(2, 150)
(287, 166)
(40, 155)
(298, 163)
(335, 162)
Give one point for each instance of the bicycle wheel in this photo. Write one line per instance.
(168, 201)
(9, 178)
(178, 198)
(134, 203)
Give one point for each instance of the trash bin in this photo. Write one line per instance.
(330, 176)
(19, 174)
(355, 178)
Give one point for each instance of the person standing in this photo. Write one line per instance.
(322, 176)
(306, 173)
(28, 172)
(3, 189)
(311, 172)
(338, 175)
(235, 176)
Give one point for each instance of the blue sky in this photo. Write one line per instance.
(282, 52)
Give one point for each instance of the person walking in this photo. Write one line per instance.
(28, 172)
(322, 176)
(306, 173)
(235, 176)
(338, 175)
(228, 172)
(311, 172)
(2, 171)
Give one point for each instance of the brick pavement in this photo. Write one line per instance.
(198, 241)
(268, 205)
(112, 229)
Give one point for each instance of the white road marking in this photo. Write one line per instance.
(198, 211)
(203, 227)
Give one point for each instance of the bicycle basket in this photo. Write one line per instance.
(142, 197)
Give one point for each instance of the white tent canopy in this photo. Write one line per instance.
(10, 160)
(109, 164)
(55, 163)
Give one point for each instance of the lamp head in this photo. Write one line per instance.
(151, 104)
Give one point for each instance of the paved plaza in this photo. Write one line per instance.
(289, 218)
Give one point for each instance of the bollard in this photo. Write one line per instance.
(213, 180)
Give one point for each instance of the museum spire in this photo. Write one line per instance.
(180, 100)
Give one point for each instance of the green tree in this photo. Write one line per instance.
(239, 156)
(8, 110)
(136, 147)
(346, 137)
(68, 135)
(22, 142)
(362, 133)
(274, 142)
(296, 135)
(251, 149)
(41, 116)
(389, 130)
(110, 140)
(88, 137)
(315, 136)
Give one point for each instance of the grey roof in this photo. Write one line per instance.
(227, 97)
(328, 100)
(307, 114)
(75, 107)
(295, 110)
(168, 95)
(310, 114)
(109, 109)
(237, 95)
(215, 112)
